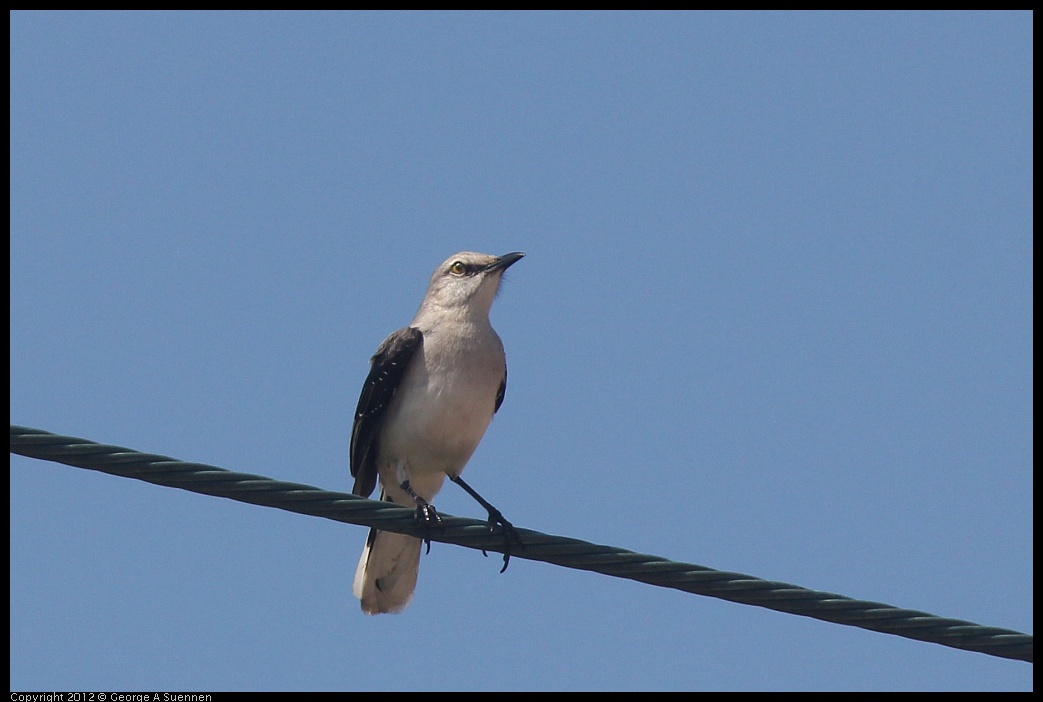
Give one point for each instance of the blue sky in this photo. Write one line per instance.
(775, 317)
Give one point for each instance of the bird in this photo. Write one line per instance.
(432, 390)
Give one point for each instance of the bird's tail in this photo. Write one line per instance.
(386, 574)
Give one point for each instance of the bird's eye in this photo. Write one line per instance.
(457, 268)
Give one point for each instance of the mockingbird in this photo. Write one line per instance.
(431, 392)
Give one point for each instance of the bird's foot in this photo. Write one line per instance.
(496, 518)
(425, 515)
(510, 535)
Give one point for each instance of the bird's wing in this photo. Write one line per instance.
(502, 391)
(387, 367)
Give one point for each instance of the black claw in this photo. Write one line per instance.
(510, 535)
(427, 516)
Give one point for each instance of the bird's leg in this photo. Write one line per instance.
(425, 513)
(495, 517)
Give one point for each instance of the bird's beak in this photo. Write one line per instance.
(504, 262)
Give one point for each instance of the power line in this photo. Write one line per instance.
(559, 550)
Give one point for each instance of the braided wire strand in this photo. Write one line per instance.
(537, 546)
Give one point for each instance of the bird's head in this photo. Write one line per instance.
(467, 282)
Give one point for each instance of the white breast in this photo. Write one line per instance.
(439, 415)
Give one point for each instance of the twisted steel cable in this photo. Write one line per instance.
(537, 546)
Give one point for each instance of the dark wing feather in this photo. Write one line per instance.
(387, 367)
(502, 391)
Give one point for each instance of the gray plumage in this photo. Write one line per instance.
(432, 389)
